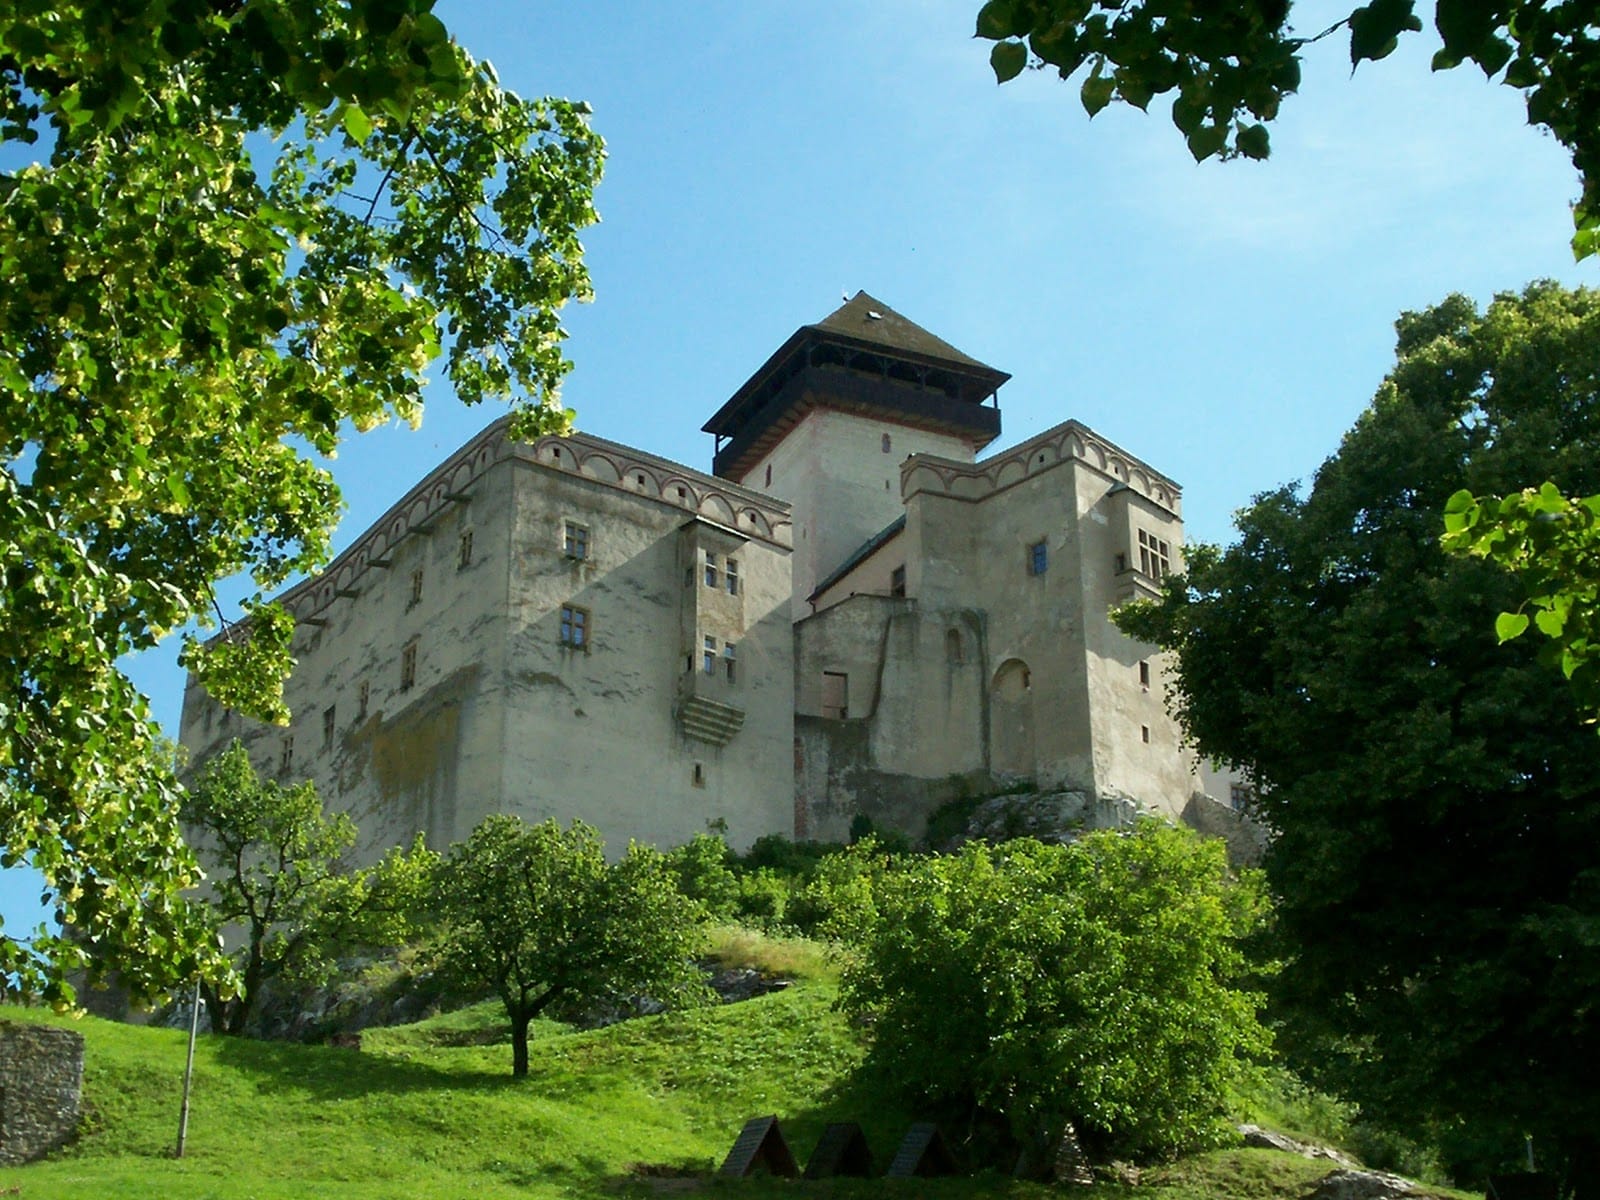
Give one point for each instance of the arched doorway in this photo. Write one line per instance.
(1011, 719)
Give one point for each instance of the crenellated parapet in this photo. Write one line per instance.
(1070, 441)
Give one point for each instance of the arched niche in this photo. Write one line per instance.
(1011, 719)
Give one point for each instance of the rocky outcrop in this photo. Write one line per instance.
(1267, 1139)
(1349, 1184)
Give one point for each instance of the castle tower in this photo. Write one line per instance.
(827, 421)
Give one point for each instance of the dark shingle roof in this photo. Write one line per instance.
(870, 320)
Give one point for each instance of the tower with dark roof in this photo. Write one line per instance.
(828, 419)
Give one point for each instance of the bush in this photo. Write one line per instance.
(1092, 983)
(701, 867)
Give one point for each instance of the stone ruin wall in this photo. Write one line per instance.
(41, 1086)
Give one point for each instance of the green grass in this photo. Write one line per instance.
(430, 1111)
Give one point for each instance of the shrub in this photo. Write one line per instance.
(1092, 983)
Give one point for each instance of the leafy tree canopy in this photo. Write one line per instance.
(278, 877)
(255, 226)
(1435, 795)
(1551, 543)
(535, 913)
(1092, 983)
(1229, 66)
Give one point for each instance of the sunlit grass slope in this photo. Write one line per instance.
(429, 1111)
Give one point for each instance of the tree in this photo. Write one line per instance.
(1551, 543)
(279, 876)
(1435, 796)
(1232, 65)
(1092, 983)
(535, 913)
(257, 224)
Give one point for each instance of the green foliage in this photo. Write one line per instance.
(1230, 67)
(277, 872)
(1092, 983)
(701, 867)
(1435, 796)
(536, 913)
(1551, 543)
(838, 901)
(187, 303)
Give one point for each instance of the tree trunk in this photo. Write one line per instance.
(519, 1045)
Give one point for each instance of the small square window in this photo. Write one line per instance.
(574, 627)
(328, 726)
(575, 540)
(408, 667)
(712, 575)
(897, 582)
(732, 574)
(708, 655)
(1038, 558)
(416, 589)
(728, 661)
(464, 550)
(363, 696)
(1241, 795)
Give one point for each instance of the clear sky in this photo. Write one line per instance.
(1224, 322)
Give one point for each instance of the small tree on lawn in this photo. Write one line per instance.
(537, 914)
(1096, 983)
(278, 871)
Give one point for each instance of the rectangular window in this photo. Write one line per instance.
(699, 774)
(1144, 675)
(327, 727)
(1241, 795)
(728, 660)
(1144, 734)
(835, 694)
(286, 755)
(574, 627)
(416, 588)
(708, 655)
(733, 577)
(408, 667)
(711, 569)
(897, 582)
(575, 540)
(363, 695)
(1155, 557)
(1038, 558)
(464, 550)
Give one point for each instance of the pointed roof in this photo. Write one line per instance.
(866, 319)
(867, 357)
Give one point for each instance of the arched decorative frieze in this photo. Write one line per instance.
(1013, 470)
(714, 506)
(600, 466)
(678, 490)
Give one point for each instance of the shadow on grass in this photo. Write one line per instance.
(330, 1073)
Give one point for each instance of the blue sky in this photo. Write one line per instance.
(1226, 322)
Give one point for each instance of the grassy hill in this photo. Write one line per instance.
(430, 1111)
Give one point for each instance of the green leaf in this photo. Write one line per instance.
(1509, 625)
(997, 20)
(1253, 142)
(1096, 92)
(1207, 140)
(1375, 28)
(356, 123)
(1008, 59)
(1550, 621)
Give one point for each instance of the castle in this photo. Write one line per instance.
(852, 615)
